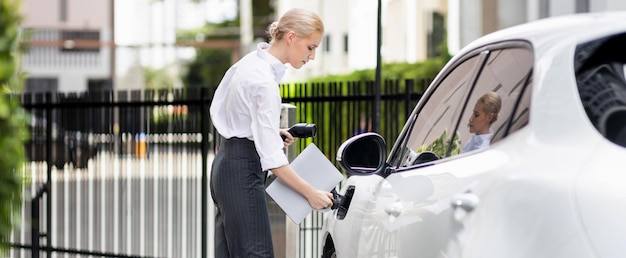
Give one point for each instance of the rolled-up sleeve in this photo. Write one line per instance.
(265, 125)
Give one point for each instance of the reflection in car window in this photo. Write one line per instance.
(522, 113)
(433, 127)
(441, 126)
(506, 73)
(601, 79)
(482, 116)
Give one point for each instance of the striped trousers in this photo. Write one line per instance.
(242, 225)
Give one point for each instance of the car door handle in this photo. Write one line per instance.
(466, 201)
(394, 209)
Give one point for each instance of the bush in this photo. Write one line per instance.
(13, 129)
(424, 70)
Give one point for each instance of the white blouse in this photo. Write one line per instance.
(478, 142)
(247, 104)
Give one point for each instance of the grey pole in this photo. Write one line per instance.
(378, 68)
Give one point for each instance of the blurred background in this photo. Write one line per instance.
(79, 46)
(118, 93)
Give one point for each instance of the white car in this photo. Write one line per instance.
(550, 182)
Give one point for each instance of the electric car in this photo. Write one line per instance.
(547, 180)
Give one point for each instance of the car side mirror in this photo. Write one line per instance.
(363, 154)
(426, 156)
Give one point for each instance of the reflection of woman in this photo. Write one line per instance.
(246, 113)
(365, 125)
(485, 113)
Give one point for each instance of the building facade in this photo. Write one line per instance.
(411, 31)
(470, 19)
(69, 45)
(78, 45)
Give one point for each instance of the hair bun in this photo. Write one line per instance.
(273, 30)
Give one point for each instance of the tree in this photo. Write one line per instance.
(208, 67)
(13, 130)
(157, 78)
(210, 64)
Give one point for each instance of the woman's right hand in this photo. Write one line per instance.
(317, 199)
(288, 139)
(320, 200)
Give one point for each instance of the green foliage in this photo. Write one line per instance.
(208, 67)
(263, 16)
(426, 69)
(13, 130)
(157, 78)
(440, 145)
(225, 30)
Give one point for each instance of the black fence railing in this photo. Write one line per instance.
(342, 109)
(124, 173)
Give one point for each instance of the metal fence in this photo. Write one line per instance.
(125, 173)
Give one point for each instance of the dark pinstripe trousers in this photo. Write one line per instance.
(242, 226)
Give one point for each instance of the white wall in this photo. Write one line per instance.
(561, 7)
(335, 18)
(72, 75)
(405, 25)
(466, 26)
(145, 31)
(511, 13)
(363, 18)
(93, 14)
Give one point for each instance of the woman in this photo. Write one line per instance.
(246, 113)
(484, 115)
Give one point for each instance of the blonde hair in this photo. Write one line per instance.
(492, 104)
(301, 21)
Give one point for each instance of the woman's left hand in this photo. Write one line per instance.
(289, 139)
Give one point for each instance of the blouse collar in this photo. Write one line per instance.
(278, 68)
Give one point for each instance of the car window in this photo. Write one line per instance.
(432, 129)
(489, 112)
(601, 79)
(522, 112)
(442, 126)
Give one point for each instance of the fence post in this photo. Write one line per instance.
(205, 188)
(35, 232)
(408, 87)
(291, 229)
(284, 231)
(48, 185)
(34, 227)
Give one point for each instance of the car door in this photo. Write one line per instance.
(420, 209)
(368, 219)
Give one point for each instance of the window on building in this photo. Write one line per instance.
(345, 43)
(436, 35)
(327, 43)
(99, 85)
(63, 10)
(80, 41)
(39, 85)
